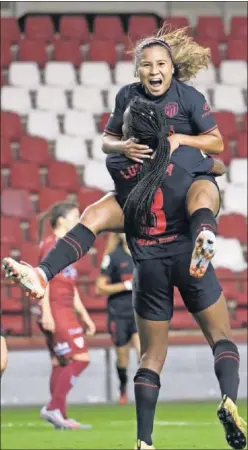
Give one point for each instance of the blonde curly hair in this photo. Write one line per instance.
(187, 56)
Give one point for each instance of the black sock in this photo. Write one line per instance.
(146, 389)
(122, 374)
(202, 219)
(73, 246)
(226, 366)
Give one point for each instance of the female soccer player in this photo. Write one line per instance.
(116, 282)
(59, 322)
(4, 355)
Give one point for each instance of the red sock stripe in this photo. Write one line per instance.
(77, 243)
(65, 239)
(146, 384)
(222, 355)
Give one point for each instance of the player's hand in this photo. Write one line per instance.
(90, 327)
(48, 323)
(174, 140)
(128, 284)
(134, 151)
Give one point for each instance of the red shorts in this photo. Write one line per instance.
(68, 338)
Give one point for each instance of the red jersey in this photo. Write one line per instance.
(61, 287)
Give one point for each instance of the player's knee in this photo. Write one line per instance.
(154, 358)
(91, 218)
(219, 335)
(202, 194)
(147, 376)
(81, 357)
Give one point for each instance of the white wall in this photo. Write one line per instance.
(188, 375)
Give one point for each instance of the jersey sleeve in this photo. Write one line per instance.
(114, 125)
(107, 266)
(200, 113)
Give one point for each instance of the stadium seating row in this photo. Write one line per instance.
(101, 50)
(41, 28)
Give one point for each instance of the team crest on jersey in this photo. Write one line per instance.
(171, 109)
(79, 341)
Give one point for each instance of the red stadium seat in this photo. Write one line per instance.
(25, 175)
(3, 79)
(211, 27)
(39, 28)
(178, 301)
(100, 319)
(182, 320)
(16, 292)
(48, 196)
(227, 124)
(108, 28)
(94, 303)
(239, 297)
(87, 196)
(74, 27)
(226, 156)
(141, 26)
(239, 318)
(63, 175)
(237, 49)
(214, 47)
(103, 121)
(11, 302)
(233, 226)
(33, 230)
(10, 231)
(30, 253)
(67, 50)
(5, 250)
(11, 126)
(6, 56)
(245, 122)
(227, 274)
(176, 22)
(239, 27)
(10, 30)
(34, 149)
(103, 51)
(33, 51)
(241, 150)
(12, 325)
(16, 203)
(6, 154)
(100, 245)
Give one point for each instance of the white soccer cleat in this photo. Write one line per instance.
(27, 276)
(55, 418)
(143, 446)
(74, 425)
(204, 250)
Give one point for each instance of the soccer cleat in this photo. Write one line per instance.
(74, 425)
(55, 418)
(123, 399)
(142, 445)
(234, 426)
(204, 250)
(27, 276)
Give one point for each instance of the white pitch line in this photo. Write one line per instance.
(164, 423)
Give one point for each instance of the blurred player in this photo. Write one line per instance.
(4, 355)
(116, 282)
(62, 316)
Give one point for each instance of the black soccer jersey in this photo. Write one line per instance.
(185, 108)
(171, 225)
(118, 266)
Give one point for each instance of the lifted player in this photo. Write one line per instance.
(116, 282)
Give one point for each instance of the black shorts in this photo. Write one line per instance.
(121, 329)
(154, 282)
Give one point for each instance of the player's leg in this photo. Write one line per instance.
(105, 214)
(203, 202)
(153, 304)
(204, 299)
(135, 342)
(4, 355)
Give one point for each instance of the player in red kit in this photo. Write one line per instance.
(61, 319)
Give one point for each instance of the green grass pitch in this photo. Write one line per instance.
(177, 426)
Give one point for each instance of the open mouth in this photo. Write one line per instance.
(155, 83)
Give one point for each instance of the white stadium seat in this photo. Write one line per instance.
(222, 182)
(51, 99)
(234, 73)
(95, 74)
(205, 76)
(79, 123)
(112, 92)
(204, 91)
(15, 99)
(229, 255)
(87, 98)
(97, 176)
(238, 171)
(124, 73)
(60, 74)
(229, 98)
(97, 152)
(24, 74)
(71, 149)
(235, 199)
(43, 124)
